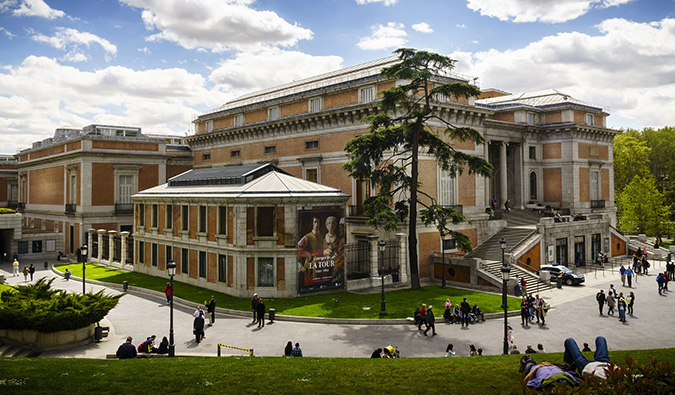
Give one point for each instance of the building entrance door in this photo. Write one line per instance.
(579, 250)
(561, 251)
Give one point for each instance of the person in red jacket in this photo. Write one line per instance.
(167, 292)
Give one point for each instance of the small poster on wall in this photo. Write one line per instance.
(551, 253)
(321, 250)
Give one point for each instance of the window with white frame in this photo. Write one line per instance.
(185, 218)
(448, 244)
(265, 221)
(531, 118)
(154, 215)
(209, 126)
(154, 254)
(312, 144)
(141, 214)
(315, 105)
(533, 186)
(141, 252)
(202, 264)
(312, 175)
(72, 195)
(126, 180)
(184, 260)
(441, 97)
(169, 254)
(271, 149)
(222, 268)
(595, 185)
(239, 120)
(265, 272)
(202, 219)
(273, 113)
(366, 95)
(222, 220)
(447, 188)
(168, 218)
(589, 119)
(533, 152)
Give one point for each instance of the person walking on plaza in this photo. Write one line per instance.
(516, 286)
(254, 307)
(611, 303)
(660, 280)
(31, 270)
(542, 309)
(167, 292)
(630, 301)
(431, 322)
(524, 312)
(523, 285)
(25, 274)
(600, 297)
(211, 310)
(465, 309)
(629, 277)
(15, 268)
(126, 350)
(260, 313)
(198, 327)
(622, 271)
(423, 317)
(621, 305)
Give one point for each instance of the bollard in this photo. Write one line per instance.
(272, 315)
(125, 286)
(46, 265)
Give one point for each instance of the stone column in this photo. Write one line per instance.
(100, 232)
(402, 257)
(374, 256)
(503, 173)
(90, 241)
(123, 250)
(111, 245)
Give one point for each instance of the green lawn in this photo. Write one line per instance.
(275, 375)
(400, 303)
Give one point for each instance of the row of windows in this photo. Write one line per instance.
(268, 150)
(202, 218)
(532, 118)
(265, 265)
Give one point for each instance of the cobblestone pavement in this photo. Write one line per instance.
(574, 314)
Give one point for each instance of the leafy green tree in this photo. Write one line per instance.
(661, 159)
(388, 155)
(631, 158)
(642, 208)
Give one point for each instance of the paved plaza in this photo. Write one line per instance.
(574, 313)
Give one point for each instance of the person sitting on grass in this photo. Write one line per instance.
(126, 350)
(163, 346)
(543, 375)
(448, 350)
(530, 350)
(477, 313)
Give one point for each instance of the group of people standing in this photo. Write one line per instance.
(258, 309)
(532, 307)
(462, 313)
(615, 300)
(27, 270)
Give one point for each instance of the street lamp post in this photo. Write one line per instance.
(382, 245)
(171, 269)
(83, 257)
(443, 258)
(505, 280)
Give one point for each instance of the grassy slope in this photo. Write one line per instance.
(475, 375)
(400, 303)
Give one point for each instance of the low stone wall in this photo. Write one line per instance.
(48, 340)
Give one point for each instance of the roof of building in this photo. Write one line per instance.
(234, 181)
(538, 99)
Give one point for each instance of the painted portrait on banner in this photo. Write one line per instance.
(321, 253)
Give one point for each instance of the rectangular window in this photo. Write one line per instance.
(206, 156)
(595, 185)
(155, 215)
(265, 272)
(222, 268)
(530, 118)
(202, 264)
(37, 246)
(154, 254)
(141, 214)
(314, 144)
(169, 254)
(185, 217)
(72, 196)
(265, 221)
(271, 149)
(273, 113)
(168, 220)
(184, 260)
(126, 188)
(312, 175)
(442, 98)
(366, 95)
(589, 119)
(315, 105)
(209, 126)
(235, 154)
(239, 120)
(448, 244)
(202, 219)
(222, 220)
(23, 247)
(533, 152)
(141, 252)
(447, 191)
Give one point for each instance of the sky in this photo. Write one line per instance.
(157, 64)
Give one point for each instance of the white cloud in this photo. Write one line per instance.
(31, 8)
(144, 50)
(217, 25)
(386, 2)
(423, 27)
(70, 38)
(40, 95)
(537, 10)
(628, 66)
(74, 56)
(251, 71)
(386, 36)
(462, 26)
(7, 32)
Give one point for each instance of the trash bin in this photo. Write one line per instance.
(98, 333)
(559, 281)
(125, 286)
(272, 315)
(46, 265)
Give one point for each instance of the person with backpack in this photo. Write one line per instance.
(601, 299)
(660, 280)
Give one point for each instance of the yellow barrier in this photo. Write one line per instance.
(249, 350)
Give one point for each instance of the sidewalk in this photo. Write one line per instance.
(575, 314)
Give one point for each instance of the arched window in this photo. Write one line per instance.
(533, 186)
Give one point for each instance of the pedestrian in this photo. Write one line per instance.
(26, 272)
(524, 312)
(622, 271)
(509, 334)
(465, 309)
(523, 285)
(296, 351)
(611, 303)
(645, 265)
(211, 310)
(31, 270)
(254, 307)
(289, 348)
(621, 305)
(630, 300)
(516, 286)
(659, 281)
(629, 277)
(126, 350)
(612, 291)
(666, 279)
(601, 299)
(431, 321)
(260, 313)
(542, 309)
(15, 268)
(198, 326)
(448, 350)
(167, 292)
(198, 312)
(423, 317)
(506, 205)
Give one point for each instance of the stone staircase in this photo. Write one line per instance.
(9, 348)
(520, 225)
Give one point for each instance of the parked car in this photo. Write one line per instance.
(569, 277)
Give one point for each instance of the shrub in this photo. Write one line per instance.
(39, 307)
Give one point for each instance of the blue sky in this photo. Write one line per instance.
(159, 63)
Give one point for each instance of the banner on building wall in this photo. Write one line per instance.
(321, 256)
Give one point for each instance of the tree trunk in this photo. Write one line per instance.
(412, 220)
